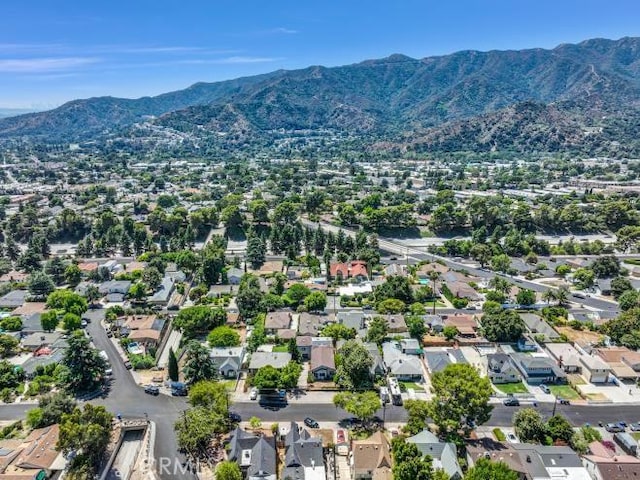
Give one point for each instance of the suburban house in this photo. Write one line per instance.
(37, 340)
(624, 363)
(13, 299)
(371, 458)
(537, 326)
(500, 369)
(603, 463)
(234, 275)
(310, 324)
(342, 271)
(115, 286)
(147, 330)
(255, 454)
(277, 321)
(410, 346)
(436, 360)
(566, 356)
(275, 359)
(395, 269)
(44, 357)
(537, 370)
(463, 290)
(402, 366)
(444, 455)
(303, 342)
(396, 323)
(526, 344)
(35, 457)
(434, 322)
(594, 369)
(378, 367)
(352, 319)
(323, 366)
(304, 455)
(465, 324)
(227, 360)
(162, 296)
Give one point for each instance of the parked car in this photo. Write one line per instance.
(176, 392)
(253, 395)
(635, 427)
(614, 427)
(311, 423)
(340, 436)
(127, 365)
(511, 438)
(235, 417)
(83, 323)
(152, 390)
(544, 388)
(511, 402)
(563, 401)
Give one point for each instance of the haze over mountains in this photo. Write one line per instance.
(539, 99)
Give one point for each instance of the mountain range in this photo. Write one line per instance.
(572, 95)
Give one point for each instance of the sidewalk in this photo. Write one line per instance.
(173, 342)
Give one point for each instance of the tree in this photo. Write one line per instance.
(391, 306)
(255, 422)
(377, 330)
(417, 328)
(49, 320)
(196, 428)
(92, 294)
(562, 296)
(71, 322)
(152, 277)
(41, 285)
(173, 366)
(584, 278)
(87, 433)
(55, 268)
(363, 405)
(461, 398)
(338, 331)
(315, 301)
(549, 296)
(249, 297)
(500, 263)
(223, 336)
(482, 254)
(198, 364)
(620, 285)
(409, 463)
(526, 297)
(256, 251)
(8, 345)
(450, 332)
(606, 267)
(485, 469)
(502, 326)
(628, 300)
(85, 367)
(297, 293)
(210, 395)
(559, 428)
(199, 319)
(500, 284)
(418, 416)
(67, 301)
(528, 425)
(582, 438)
(354, 363)
(50, 410)
(395, 286)
(138, 291)
(228, 470)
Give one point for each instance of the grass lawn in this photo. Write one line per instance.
(415, 386)
(564, 391)
(512, 387)
(281, 348)
(632, 261)
(636, 435)
(439, 304)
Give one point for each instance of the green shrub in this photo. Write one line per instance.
(499, 434)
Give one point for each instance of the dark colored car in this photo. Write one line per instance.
(152, 390)
(127, 365)
(235, 417)
(311, 423)
(511, 402)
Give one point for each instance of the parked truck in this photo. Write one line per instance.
(626, 442)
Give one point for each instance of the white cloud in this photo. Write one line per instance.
(283, 30)
(37, 65)
(228, 60)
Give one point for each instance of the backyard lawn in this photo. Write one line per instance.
(564, 391)
(512, 387)
(281, 348)
(407, 385)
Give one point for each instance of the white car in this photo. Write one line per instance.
(253, 395)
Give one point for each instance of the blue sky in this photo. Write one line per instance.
(54, 51)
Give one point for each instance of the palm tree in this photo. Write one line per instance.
(434, 277)
(549, 296)
(562, 296)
